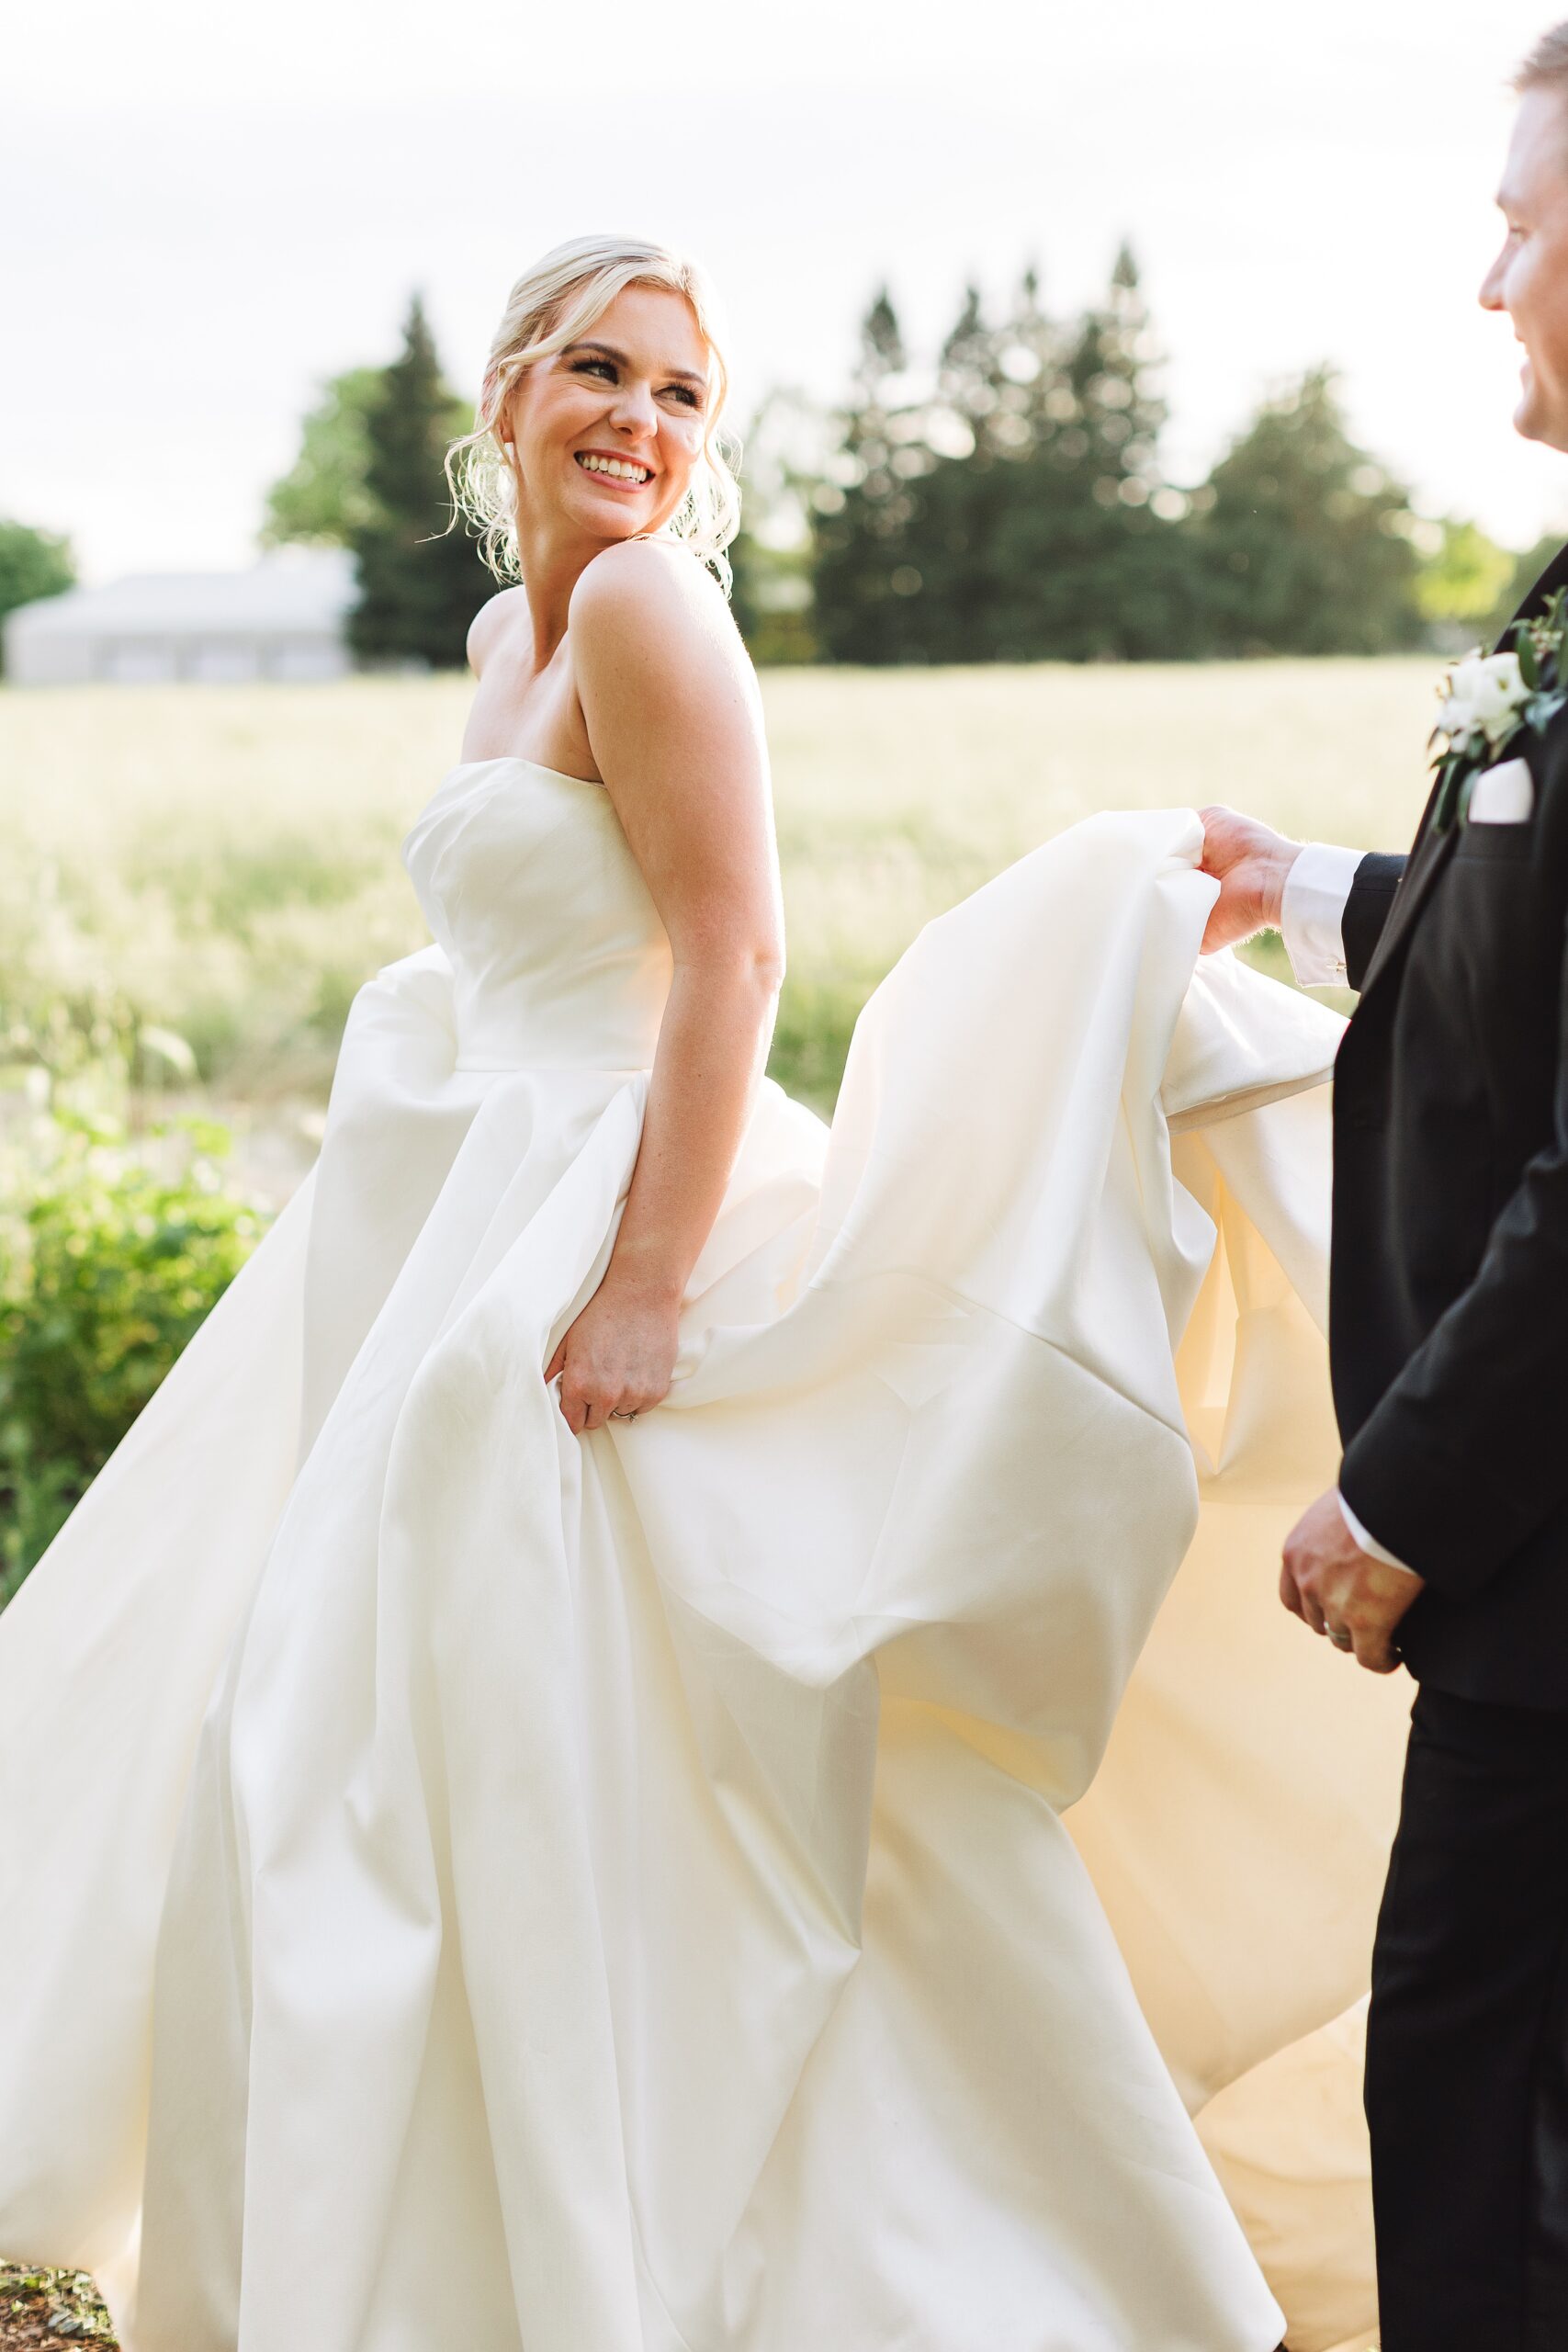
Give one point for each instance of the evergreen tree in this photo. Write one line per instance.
(770, 555)
(1019, 514)
(967, 386)
(1089, 565)
(1304, 544)
(976, 433)
(863, 513)
(1025, 410)
(1111, 373)
(1032, 363)
(324, 499)
(420, 585)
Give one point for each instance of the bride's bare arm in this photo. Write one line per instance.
(675, 724)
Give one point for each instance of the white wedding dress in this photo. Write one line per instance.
(465, 1885)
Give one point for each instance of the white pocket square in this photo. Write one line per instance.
(1504, 795)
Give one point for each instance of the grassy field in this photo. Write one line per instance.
(220, 863)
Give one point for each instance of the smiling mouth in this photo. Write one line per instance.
(618, 470)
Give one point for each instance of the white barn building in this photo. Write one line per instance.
(285, 618)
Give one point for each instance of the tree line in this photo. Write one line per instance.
(1005, 501)
(1009, 504)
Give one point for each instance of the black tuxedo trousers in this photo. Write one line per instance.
(1467, 2040)
(1449, 1337)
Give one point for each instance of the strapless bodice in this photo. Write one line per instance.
(558, 956)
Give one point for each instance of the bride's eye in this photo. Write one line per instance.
(685, 392)
(588, 366)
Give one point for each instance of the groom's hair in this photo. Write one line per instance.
(1546, 67)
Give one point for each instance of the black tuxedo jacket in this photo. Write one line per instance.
(1449, 1317)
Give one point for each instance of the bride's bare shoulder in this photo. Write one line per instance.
(650, 588)
(495, 620)
(659, 666)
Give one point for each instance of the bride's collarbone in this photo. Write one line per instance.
(521, 713)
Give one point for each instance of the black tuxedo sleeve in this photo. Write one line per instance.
(1466, 1454)
(1366, 911)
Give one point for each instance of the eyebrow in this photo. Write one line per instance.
(608, 351)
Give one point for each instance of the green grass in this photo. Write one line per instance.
(222, 862)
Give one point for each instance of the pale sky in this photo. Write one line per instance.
(209, 209)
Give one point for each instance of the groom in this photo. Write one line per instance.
(1446, 1543)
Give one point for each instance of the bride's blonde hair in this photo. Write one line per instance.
(551, 305)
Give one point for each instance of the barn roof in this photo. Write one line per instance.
(307, 589)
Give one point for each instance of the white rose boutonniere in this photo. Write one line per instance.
(1489, 698)
(1484, 695)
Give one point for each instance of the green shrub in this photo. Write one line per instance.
(110, 1258)
(38, 2305)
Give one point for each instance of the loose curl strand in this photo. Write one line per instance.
(553, 304)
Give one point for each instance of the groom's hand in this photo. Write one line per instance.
(1249, 862)
(1337, 1589)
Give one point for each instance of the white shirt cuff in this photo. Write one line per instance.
(1369, 1544)
(1312, 915)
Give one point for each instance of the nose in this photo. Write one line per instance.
(1491, 295)
(633, 411)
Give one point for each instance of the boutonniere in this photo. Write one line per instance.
(1488, 699)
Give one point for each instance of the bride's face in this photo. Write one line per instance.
(608, 431)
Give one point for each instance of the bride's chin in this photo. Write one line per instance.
(628, 522)
(611, 528)
(609, 513)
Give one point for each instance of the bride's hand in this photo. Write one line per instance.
(1249, 862)
(619, 1355)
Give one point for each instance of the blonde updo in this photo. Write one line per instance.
(553, 304)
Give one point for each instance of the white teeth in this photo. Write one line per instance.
(617, 468)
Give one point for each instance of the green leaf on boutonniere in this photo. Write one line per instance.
(1450, 777)
(1547, 636)
(1529, 659)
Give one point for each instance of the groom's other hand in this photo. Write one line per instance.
(1249, 862)
(1337, 1589)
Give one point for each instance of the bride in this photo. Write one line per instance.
(533, 1783)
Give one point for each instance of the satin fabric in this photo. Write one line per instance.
(773, 1872)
